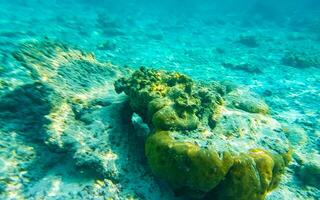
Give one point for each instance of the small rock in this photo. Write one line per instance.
(296, 135)
(247, 67)
(155, 36)
(249, 41)
(300, 60)
(247, 101)
(309, 173)
(220, 50)
(107, 45)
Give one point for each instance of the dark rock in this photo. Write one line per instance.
(300, 60)
(220, 50)
(108, 45)
(243, 67)
(249, 41)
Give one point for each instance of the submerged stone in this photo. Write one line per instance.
(247, 101)
(300, 59)
(24, 109)
(71, 89)
(249, 41)
(309, 171)
(247, 67)
(71, 72)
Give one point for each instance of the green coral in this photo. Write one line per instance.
(185, 164)
(252, 176)
(167, 118)
(170, 100)
(181, 112)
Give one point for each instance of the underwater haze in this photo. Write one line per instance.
(160, 100)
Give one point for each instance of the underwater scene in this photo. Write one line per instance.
(159, 100)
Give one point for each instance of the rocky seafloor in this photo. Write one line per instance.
(79, 118)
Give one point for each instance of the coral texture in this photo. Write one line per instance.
(207, 141)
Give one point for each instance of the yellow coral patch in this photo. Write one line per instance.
(160, 88)
(184, 164)
(265, 165)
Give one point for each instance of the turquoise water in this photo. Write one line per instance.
(61, 122)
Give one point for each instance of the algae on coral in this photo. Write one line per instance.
(190, 146)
